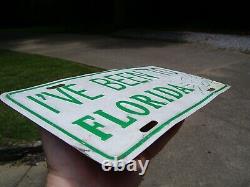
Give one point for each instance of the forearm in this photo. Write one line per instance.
(59, 181)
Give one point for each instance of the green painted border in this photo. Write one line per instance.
(131, 149)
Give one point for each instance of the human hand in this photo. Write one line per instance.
(67, 167)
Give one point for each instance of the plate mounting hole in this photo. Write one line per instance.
(55, 86)
(211, 89)
(148, 126)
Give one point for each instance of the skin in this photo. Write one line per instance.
(67, 167)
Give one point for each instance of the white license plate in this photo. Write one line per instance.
(103, 114)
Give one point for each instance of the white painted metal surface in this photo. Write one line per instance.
(102, 114)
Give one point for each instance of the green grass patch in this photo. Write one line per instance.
(20, 70)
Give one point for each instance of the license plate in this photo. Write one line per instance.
(116, 114)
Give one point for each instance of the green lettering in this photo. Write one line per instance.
(120, 122)
(147, 100)
(43, 104)
(123, 81)
(158, 95)
(169, 91)
(67, 97)
(132, 108)
(81, 92)
(93, 128)
(144, 75)
(183, 89)
(108, 83)
(133, 78)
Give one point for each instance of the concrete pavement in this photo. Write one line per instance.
(20, 175)
(212, 148)
(108, 52)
